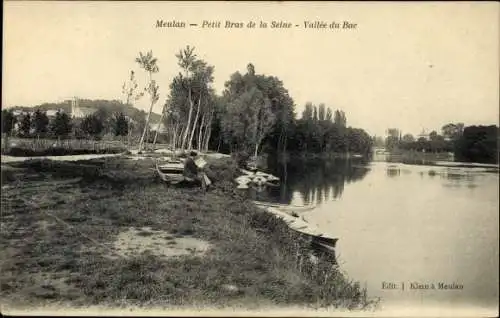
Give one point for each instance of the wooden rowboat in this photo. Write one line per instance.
(328, 241)
(285, 207)
(170, 172)
(308, 231)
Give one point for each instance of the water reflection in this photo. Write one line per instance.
(450, 177)
(393, 171)
(386, 222)
(456, 178)
(313, 181)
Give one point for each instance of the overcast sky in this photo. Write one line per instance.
(406, 65)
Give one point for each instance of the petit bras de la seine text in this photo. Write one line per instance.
(227, 24)
(421, 286)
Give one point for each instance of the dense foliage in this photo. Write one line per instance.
(478, 144)
(254, 114)
(321, 130)
(61, 126)
(469, 144)
(8, 121)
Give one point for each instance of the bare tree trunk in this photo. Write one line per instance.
(218, 144)
(208, 130)
(181, 141)
(190, 114)
(146, 128)
(200, 133)
(172, 138)
(176, 135)
(158, 128)
(207, 137)
(190, 145)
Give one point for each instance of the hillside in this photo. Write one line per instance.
(111, 106)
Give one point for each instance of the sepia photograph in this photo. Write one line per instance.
(280, 158)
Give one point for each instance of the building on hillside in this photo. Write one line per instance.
(423, 134)
(78, 111)
(52, 112)
(18, 112)
(154, 127)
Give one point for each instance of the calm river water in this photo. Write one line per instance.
(404, 224)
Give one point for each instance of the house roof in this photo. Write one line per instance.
(83, 111)
(154, 126)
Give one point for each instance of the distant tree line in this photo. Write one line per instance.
(254, 113)
(62, 126)
(468, 144)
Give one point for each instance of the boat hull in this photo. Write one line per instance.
(171, 173)
(285, 207)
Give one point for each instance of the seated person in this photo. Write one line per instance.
(192, 172)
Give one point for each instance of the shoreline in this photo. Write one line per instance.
(253, 251)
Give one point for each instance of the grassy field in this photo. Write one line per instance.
(29, 147)
(32, 147)
(61, 222)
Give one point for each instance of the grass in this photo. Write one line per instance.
(48, 261)
(30, 147)
(58, 151)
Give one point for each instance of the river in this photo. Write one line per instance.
(405, 225)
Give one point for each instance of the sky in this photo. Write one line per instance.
(405, 65)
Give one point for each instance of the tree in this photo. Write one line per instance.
(25, 125)
(359, 141)
(61, 126)
(478, 144)
(203, 76)
(105, 115)
(329, 115)
(452, 131)
(340, 119)
(264, 120)
(40, 123)
(321, 112)
(392, 139)
(408, 138)
(378, 141)
(148, 63)
(129, 89)
(254, 104)
(8, 121)
(307, 114)
(92, 125)
(433, 135)
(137, 123)
(120, 124)
(315, 114)
(187, 60)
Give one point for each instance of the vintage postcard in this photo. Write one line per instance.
(250, 158)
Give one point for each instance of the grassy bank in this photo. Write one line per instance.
(59, 151)
(33, 147)
(418, 157)
(60, 220)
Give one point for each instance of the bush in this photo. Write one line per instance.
(222, 170)
(241, 158)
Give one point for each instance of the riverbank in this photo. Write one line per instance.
(106, 232)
